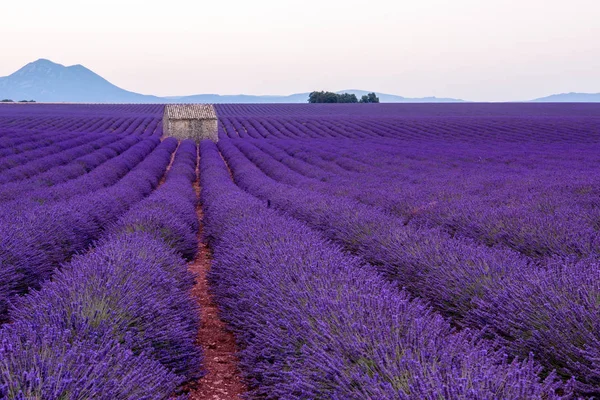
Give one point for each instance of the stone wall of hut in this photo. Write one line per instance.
(193, 121)
(196, 129)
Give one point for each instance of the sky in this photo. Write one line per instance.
(478, 50)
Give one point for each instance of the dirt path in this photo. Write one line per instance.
(223, 380)
(164, 177)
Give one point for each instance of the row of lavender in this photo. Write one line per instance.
(68, 152)
(101, 169)
(53, 172)
(146, 126)
(38, 236)
(462, 129)
(550, 310)
(118, 321)
(411, 110)
(314, 322)
(16, 154)
(20, 122)
(539, 200)
(519, 123)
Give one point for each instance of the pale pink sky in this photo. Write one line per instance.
(486, 50)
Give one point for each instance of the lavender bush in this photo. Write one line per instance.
(44, 362)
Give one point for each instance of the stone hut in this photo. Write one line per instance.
(191, 121)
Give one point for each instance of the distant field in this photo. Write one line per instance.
(381, 251)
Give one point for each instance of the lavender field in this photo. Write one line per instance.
(353, 251)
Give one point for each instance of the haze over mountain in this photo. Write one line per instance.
(46, 81)
(570, 98)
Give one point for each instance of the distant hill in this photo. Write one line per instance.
(46, 81)
(392, 98)
(299, 98)
(238, 98)
(570, 98)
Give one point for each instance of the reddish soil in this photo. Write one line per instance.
(227, 165)
(223, 379)
(164, 177)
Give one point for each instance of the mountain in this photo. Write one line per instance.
(238, 98)
(570, 98)
(46, 81)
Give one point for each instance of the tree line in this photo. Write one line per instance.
(330, 97)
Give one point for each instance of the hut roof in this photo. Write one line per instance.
(190, 111)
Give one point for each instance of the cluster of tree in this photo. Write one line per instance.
(369, 98)
(20, 101)
(330, 97)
